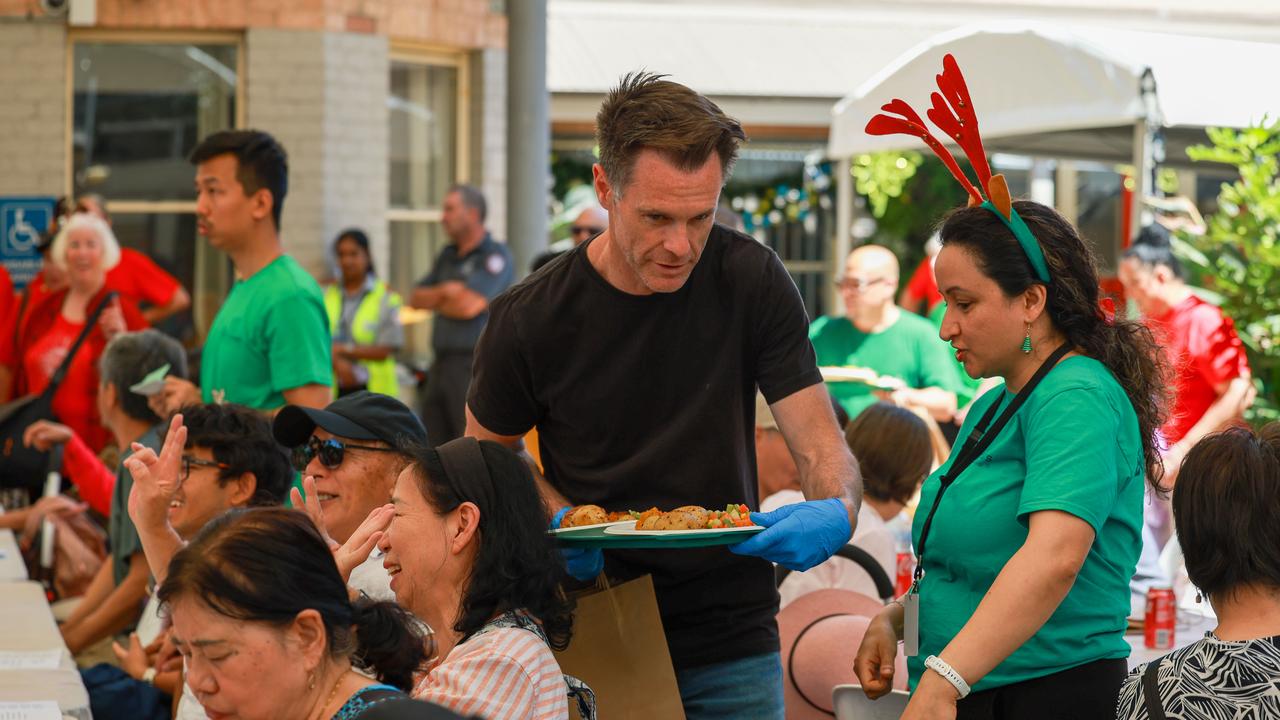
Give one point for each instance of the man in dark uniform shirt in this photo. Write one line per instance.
(637, 356)
(469, 272)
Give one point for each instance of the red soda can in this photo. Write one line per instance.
(906, 571)
(1161, 618)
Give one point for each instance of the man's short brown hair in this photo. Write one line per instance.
(646, 111)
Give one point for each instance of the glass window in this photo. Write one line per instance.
(423, 110)
(138, 111)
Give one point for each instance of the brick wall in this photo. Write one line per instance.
(357, 79)
(323, 96)
(453, 23)
(33, 70)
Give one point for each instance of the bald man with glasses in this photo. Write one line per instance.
(875, 334)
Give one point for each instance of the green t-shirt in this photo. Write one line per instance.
(909, 349)
(272, 334)
(121, 532)
(1074, 446)
(968, 386)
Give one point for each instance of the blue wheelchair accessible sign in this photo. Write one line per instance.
(22, 221)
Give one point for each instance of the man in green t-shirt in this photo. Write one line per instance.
(876, 334)
(269, 344)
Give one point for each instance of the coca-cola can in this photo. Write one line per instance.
(1162, 615)
(906, 571)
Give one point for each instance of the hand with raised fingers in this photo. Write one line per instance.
(357, 547)
(133, 657)
(156, 477)
(310, 504)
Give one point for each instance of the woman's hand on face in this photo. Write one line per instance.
(310, 504)
(156, 477)
(874, 663)
(357, 548)
(934, 699)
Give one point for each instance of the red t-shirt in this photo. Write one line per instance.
(74, 404)
(1204, 351)
(138, 277)
(923, 286)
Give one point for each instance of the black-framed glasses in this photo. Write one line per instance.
(329, 451)
(190, 460)
(584, 230)
(857, 283)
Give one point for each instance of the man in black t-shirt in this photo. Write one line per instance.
(637, 355)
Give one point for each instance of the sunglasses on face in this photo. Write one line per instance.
(585, 230)
(190, 460)
(329, 451)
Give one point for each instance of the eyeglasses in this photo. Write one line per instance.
(330, 452)
(856, 283)
(189, 460)
(585, 230)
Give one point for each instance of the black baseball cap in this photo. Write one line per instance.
(359, 416)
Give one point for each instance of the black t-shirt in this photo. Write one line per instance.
(649, 400)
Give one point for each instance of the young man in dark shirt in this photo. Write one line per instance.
(637, 357)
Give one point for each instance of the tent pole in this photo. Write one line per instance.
(840, 241)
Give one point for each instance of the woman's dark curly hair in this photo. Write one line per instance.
(1127, 348)
(517, 566)
(269, 564)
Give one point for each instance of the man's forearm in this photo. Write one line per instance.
(940, 403)
(832, 474)
(115, 613)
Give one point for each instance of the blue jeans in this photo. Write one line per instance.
(747, 689)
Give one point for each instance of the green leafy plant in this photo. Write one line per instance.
(883, 176)
(1238, 256)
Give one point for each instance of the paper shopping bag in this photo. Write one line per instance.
(620, 650)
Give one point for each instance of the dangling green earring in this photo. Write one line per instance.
(1026, 342)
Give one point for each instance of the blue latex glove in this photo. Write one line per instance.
(801, 535)
(582, 563)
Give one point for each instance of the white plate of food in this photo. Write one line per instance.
(630, 529)
(591, 517)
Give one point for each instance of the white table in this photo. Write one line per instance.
(11, 566)
(1191, 627)
(27, 630)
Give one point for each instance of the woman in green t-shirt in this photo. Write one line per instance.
(1027, 559)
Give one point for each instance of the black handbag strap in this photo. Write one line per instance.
(89, 324)
(1151, 691)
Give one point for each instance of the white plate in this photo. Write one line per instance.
(630, 529)
(566, 531)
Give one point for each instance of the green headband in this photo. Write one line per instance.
(1029, 244)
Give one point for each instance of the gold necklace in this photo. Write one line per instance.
(332, 693)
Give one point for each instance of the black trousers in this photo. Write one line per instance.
(1086, 692)
(445, 401)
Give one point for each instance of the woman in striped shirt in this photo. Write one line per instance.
(468, 552)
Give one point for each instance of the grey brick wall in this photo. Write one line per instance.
(355, 139)
(33, 72)
(323, 96)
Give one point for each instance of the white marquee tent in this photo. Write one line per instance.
(1070, 92)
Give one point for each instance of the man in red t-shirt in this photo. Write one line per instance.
(1211, 381)
(137, 276)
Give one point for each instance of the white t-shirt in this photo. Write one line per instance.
(370, 577)
(871, 534)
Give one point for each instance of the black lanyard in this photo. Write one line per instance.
(977, 443)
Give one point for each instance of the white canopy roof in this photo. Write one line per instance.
(1072, 91)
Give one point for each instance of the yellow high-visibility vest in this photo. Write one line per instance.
(364, 331)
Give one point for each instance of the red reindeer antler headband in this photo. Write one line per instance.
(953, 112)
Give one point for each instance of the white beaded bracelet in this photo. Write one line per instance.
(940, 666)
